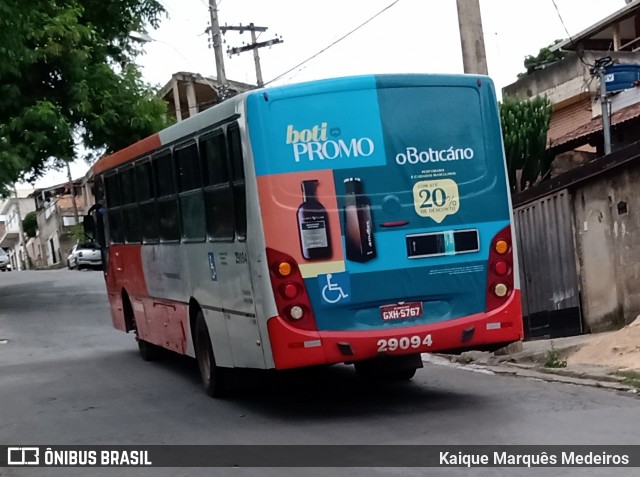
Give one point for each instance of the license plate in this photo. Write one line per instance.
(401, 311)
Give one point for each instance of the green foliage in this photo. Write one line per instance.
(67, 76)
(77, 232)
(552, 359)
(30, 224)
(544, 58)
(524, 130)
(630, 377)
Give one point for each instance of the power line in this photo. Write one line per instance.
(561, 20)
(569, 34)
(334, 43)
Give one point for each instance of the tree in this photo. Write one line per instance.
(524, 129)
(30, 224)
(544, 58)
(67, 78)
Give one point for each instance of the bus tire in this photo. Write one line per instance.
(213, 377)
(403, 374)
(148, 351)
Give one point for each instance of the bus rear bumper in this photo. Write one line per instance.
(294, 348)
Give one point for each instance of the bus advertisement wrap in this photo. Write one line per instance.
(399, 171)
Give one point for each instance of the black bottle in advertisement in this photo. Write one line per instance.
(313, 224)
(359, 238)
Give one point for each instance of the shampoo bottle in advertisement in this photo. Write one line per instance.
(313, 224)
(359, 238)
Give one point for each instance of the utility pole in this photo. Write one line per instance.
(214, 30)
(253, 46)
(73, 194)
(599, 70)
(474, 57)
(25, 254)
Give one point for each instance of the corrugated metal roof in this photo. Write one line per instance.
(595, 125)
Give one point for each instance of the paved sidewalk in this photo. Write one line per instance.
(532, 359)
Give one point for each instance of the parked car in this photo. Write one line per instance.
(5, 263)
(84, 255)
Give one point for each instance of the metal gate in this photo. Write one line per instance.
(548, 270)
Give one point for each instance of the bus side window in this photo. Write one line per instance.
(98, 193)
(237, 177)
(167, 201)
(190, 192)
(114, 212)
(130, 210)
(146, 199)
(218, 195)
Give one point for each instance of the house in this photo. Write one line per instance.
(15, 209)
(576, 134)
(190, 93)
(56, 220)
(579, 250)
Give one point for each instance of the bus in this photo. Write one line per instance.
(361, 220)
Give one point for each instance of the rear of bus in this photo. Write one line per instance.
(386, 218)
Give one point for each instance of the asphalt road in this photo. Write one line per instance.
(68, 377)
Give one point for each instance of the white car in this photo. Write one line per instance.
(84, 255)
(5, 263)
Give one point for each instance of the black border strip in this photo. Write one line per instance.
(226, 310)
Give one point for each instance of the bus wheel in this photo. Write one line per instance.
(213, 377)
(403, 374)
(148, 351)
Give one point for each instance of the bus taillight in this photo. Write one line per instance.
(500, 269)
(290, 292)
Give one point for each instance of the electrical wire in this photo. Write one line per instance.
(580, 55)
(333, 44)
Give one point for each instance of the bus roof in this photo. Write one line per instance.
(230, 107)
(172, 133)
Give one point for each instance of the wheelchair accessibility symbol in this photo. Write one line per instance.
(335, 288)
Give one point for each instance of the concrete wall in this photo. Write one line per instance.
(607, 225)
(48, 225)
(566, 80)
(51, 229)
(34, 250)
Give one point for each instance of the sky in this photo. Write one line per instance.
(411, 36)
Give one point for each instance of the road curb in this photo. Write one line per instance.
(565, 376)
(531, 370)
